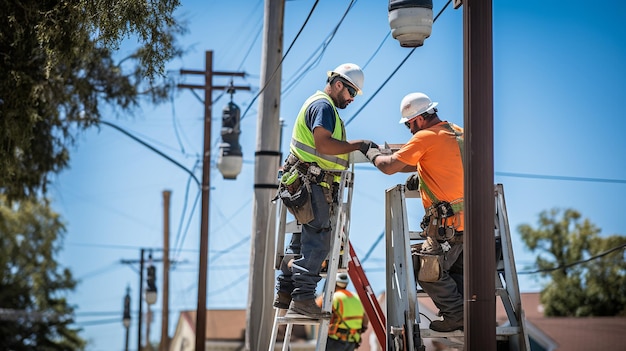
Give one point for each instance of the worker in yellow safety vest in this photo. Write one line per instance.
(348, 321)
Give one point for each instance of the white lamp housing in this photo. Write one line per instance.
(229, 165)
(411, 22)
(151, 297)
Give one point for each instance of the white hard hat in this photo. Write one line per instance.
(350, 72)
(342, 280)
(415, 104)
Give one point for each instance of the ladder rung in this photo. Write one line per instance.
(429, 333)
(507, 331)
(500, 331)
(299, 319)
(415, 235)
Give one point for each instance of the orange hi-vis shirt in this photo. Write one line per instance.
(436, 154)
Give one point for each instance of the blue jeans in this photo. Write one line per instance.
(313, 244)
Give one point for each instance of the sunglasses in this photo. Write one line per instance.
(351, 90)
(409, 122)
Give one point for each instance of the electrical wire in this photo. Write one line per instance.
(281, 60)
(577, 179)
(602, 254)
(394, 71)
(316, 57)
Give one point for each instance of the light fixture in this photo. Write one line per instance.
(411, 21)
(230, 158)
(126, 314)
(151, 290)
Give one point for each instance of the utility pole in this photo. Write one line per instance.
(165, 339)
(140, 299)
(141, 262)
(266, 164)
(480, 308)
(208, 88)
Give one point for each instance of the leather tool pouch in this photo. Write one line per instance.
(426, 268)
(430, 268)
(297, 199)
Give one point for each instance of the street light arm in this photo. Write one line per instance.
(151, 148)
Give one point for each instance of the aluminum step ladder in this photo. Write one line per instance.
(403, 316)
(336, 262)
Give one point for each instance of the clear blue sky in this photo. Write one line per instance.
(559, 86)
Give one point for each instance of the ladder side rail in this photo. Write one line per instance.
(322, 334)
(274, 330)
(287, 339)
(338, 235)
(507, 249)
(348, 183)
(402, 309)
(280, 235)
(510, 273)
(363, 288)
(501, 268)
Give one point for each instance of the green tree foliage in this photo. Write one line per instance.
(57, 70)
(585, 278)
(35, 313)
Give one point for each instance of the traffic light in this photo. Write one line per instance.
(151, 290)
(230, 158)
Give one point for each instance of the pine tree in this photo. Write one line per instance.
(34, 313)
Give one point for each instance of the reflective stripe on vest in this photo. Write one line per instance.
(303, 143)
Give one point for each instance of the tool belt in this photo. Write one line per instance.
(349, 335)
(440, 221)
(294, 189)
(315, 175)
(439, 230)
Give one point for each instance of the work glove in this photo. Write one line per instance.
(369, 149)
(366, 145)
(372, 153)
(413, 182)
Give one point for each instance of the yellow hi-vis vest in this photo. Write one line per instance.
(347, 318)
(303, 143)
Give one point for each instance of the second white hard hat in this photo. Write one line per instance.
(342, 279)
(350, 72)
(414, 104)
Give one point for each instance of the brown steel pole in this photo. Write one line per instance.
(479, 243)
(204, 221)
(165, 339)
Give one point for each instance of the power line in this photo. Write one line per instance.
(546, 270)
(281, 60)
(577, 179)
(394, 71)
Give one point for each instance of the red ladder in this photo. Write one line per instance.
(368, 298)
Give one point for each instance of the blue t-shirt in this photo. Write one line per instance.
(320, 114)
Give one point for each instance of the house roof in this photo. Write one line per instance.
(570, 334)
(574, 334)
(230, 325)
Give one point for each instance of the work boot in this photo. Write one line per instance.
(307, 308)
(446, 325)
(282, 300)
